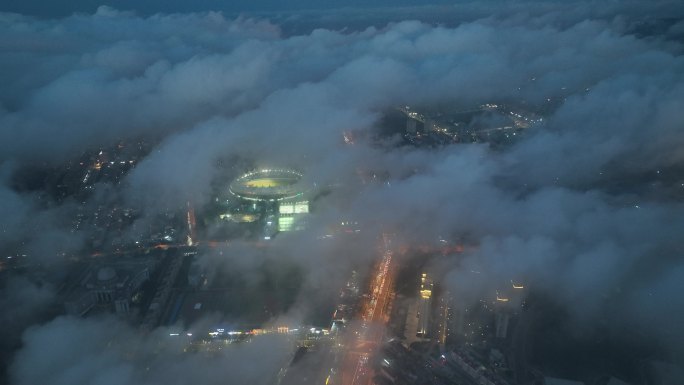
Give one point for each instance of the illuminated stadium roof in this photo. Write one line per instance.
(268, 185)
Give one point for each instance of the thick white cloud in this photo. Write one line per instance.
(107, 351)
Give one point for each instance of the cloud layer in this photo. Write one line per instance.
(585, 206)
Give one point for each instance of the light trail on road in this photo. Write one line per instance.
(374, 317)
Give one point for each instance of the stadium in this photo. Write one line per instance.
(268, 185)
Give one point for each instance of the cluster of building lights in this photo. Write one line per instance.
(256, 332)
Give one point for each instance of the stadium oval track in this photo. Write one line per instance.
(268, 185)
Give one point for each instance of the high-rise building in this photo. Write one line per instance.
(411, 126)
(502, 319)
(429, 125)
(425, 307)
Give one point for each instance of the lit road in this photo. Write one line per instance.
(365, 338)
(345, 359)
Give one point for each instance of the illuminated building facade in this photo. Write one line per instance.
(425, 305)
(291, 215)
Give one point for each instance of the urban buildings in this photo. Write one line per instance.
(112, 286)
